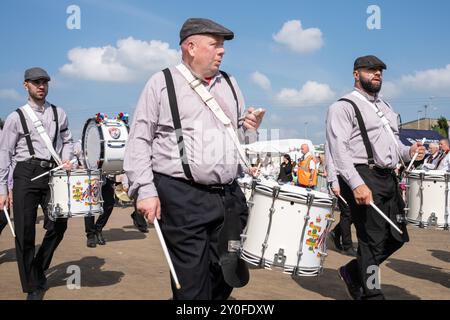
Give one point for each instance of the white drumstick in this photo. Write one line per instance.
(54, 169)
(166, 253)
(9, 221)
(414, 157)
(343, 200)
(385, 217)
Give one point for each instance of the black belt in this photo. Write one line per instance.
(42, 163)
(378, 169)
(206, 187)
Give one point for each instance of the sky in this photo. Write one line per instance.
(293, 58)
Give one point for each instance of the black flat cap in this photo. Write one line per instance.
(35, 74)
(369, 62)
(204, 26)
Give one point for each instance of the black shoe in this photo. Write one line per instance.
(100, 240)
(91, 241)
(353, 290)
(36, 295)
(336, 240)
(351, 252)
(139, 226)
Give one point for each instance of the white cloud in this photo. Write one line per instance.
(298, 39)
(131, 60)
(390, 89)
(10, 94)
(312, 92)
(261, 80)
(433, 80)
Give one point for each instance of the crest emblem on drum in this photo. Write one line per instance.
(114, 133)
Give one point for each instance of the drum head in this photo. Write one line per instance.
(92, 145)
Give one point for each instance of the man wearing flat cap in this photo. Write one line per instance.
(182, 162)
(36, 138)
(364, 147)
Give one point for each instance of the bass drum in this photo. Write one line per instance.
(103, 145)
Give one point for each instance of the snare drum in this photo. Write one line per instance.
(104, 145)
(77, 193)
(287, 228)
(427, 198)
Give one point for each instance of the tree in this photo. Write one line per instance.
(1, 123)
(441, 127)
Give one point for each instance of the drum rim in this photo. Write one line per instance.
(76, 172)
(83, 143)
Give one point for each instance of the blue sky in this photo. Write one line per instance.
(292, 57)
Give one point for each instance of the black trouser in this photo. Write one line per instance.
(91, 227)
(27, 195)
(343, 228)
(191, 220)
(3, 221)
(377, 240)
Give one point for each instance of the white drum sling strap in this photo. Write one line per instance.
(41, 130)
(211, 102)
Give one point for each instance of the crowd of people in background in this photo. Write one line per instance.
(310, 171)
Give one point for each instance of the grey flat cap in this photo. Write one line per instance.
(369, 62)
(204, 26)
(35, 74)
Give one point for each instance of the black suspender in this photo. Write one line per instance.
(364, 135)
(228, 80)
(26, 132)
(55, 115)
(177, 123)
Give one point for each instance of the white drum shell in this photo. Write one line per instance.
(435, 186)
(288, 222)
(112, 139)
(75, 195)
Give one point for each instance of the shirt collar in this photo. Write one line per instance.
(36, 108)
(206, 82)
(375, 99)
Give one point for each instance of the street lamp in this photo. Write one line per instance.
(418, 119)
(306, 129)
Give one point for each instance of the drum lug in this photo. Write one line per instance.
(234, 246)
(432, 220)
(279, 259)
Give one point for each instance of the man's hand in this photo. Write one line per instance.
(4, 201)
(363, 195)
(150, 208)
(67, 165)
(336, 191)
(419, 148)
(10, 196)
(253, 118)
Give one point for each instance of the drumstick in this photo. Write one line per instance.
(385, 217)
(256, 112)
(343, 200)
(54, 169)
(166, 253)
(9, 221)
(414, 157)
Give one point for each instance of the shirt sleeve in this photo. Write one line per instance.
(8, 142)
(66, 136)
(138, 154)
(339, 126)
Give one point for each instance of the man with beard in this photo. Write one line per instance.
(36, 136)
(362, 135)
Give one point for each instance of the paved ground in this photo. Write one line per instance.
(132, 266)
